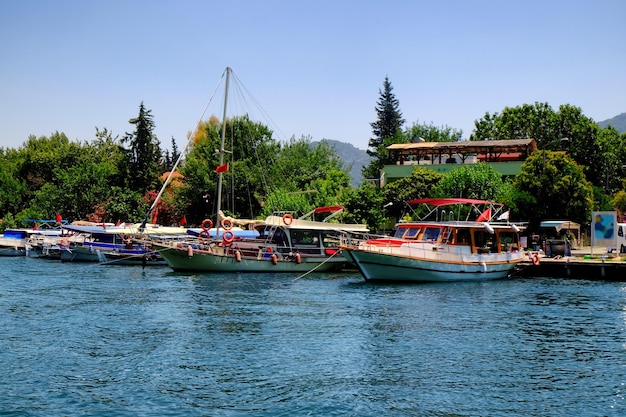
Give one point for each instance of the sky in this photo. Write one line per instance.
(314, 68)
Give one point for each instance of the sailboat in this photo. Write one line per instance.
(284, 243)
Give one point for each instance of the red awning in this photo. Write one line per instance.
(450, 201)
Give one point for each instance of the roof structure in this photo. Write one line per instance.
(492, 149)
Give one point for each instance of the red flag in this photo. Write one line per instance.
(183, 221)
(485, 216)
(118, 223)
(222, 168)
(59, 219)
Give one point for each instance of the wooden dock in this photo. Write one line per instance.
(583, 264)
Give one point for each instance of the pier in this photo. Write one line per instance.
(585, 263)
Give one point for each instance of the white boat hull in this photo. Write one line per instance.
(379, 266)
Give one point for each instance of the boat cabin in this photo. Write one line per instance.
(479, 239)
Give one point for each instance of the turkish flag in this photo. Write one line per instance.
(59, 219)
(485, 216)
(222, 168)
(183, 221)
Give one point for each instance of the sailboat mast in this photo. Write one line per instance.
(222, 151)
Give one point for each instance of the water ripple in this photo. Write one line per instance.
(98, 341)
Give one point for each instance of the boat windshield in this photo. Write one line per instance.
(431, 234)
(407, 232)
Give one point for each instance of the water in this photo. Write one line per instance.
(91, 340)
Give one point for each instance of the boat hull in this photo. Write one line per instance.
(388, 267)
(179, 259)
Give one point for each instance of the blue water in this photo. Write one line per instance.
(92, 340)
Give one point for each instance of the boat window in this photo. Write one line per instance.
(411, 233)
(485, 241)
(508, 242)
(304, 237)
(462, 237)
(400, 231)
(431, 234)
(620, 231)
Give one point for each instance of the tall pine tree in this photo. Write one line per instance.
(144, 154)
(386, 130)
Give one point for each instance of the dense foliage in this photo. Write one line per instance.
(579, 168)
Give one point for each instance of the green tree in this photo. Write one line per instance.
(387, 129)
(553, 186)
(12, 187)
(420, 184)
(144, 153)
(432, 133)
(365, 205)
(479, 181)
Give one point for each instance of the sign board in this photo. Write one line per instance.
(604, 228)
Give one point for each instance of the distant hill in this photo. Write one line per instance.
(354, 159)
(618, 122)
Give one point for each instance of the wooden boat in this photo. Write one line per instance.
(440, 250)
(284, 244)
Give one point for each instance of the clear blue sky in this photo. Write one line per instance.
(315, 67)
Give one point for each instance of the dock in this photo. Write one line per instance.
(585, 263)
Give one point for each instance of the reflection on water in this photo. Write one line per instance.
(93, 340)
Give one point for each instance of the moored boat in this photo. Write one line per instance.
(440, 250)
(283, 244)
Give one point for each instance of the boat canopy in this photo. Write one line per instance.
(437, 202)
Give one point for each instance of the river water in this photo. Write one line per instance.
(92, 340)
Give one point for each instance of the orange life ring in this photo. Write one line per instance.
(535, 259)
(287, 219)
(228, 238)
(227, 224)
(206, 224)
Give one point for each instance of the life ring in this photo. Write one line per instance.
(287, 219)
(535, 259)
(65, 242)
(228, 238)
(206, 225)
(227, 224)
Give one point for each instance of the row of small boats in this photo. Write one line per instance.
(444, 249)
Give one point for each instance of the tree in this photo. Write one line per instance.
(432, 133)
(479, 181)
(420, 184)
(144, 153)
(364, 205)
(553, 186)
(386, 130)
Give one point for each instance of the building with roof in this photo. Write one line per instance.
(505, 156)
